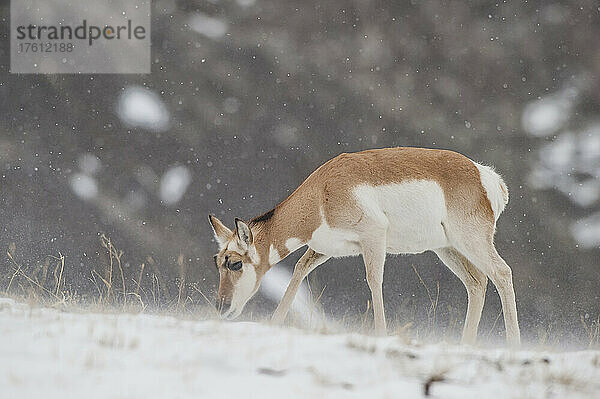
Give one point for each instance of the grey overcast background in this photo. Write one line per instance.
(247, 97)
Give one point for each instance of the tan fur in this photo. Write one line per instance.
(330, 187)
(328, 196)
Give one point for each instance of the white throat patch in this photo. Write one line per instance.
(274, 256)
(243, 291)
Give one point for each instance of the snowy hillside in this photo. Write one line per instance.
(51, 354)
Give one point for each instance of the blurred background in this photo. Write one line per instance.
(246, 98)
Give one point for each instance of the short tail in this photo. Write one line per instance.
(495, 188)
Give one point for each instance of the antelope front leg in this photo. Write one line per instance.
(309, 261)
(373, 251)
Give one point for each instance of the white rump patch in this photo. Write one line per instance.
(495, 188)
(274, 256)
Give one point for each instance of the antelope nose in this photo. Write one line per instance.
(223, 305)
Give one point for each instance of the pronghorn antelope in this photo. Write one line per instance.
(390, 200)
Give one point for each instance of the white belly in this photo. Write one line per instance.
(413, 210)
(411, 213)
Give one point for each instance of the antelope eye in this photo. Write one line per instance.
(234, 266)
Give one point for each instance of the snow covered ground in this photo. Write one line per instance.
(46, 353)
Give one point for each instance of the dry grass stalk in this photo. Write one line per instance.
(114, 255)
(592, 331)
(433, 302)
(17, 269)
(180, 293)
(137, 288)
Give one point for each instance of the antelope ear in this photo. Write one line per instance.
(222, 233)
(244, 234)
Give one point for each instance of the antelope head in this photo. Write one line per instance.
(237, 263)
